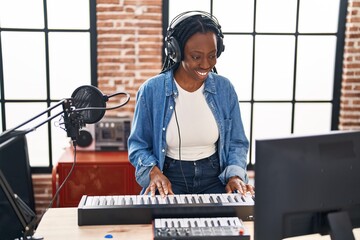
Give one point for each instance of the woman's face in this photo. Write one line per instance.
(199, 56)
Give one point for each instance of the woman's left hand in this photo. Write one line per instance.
(235, 184)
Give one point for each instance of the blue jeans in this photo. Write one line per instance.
(194, 177)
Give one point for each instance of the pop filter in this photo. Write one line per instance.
(91, 102)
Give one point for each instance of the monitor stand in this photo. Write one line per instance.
(340, 226)
(25, 215)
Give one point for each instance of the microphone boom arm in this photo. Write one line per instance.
(5, 134)
(24, 213)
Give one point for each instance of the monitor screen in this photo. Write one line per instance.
(14, 164)
(299, 180)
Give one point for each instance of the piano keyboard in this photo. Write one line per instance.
(199, 228)
(142, 209)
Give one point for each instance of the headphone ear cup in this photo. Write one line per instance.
(220, 47)
(173, 49)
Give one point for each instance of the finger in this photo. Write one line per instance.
(147, 190)
(165, 188)
(241, 187)
(251, 189)
(244, 188)
(228, 189)
(160, 189)
(240, 190)
(153, 189)
(170, 191)
(252, 192)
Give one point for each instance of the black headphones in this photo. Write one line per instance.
(172, 48)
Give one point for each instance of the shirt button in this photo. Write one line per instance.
(171, 107)
(163, 150)
(163, 129)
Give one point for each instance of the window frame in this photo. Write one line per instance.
(93, 73)
(338, 68)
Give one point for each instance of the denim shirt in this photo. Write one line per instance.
(155, 103)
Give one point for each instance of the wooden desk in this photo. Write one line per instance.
(61, 223)
(95, 173)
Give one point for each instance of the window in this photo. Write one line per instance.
(46, 52)
(284, 58)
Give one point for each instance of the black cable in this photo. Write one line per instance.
(178, 128)
(62, 184)
(106, 108)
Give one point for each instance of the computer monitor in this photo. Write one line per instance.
(14, 165)
(302, 180)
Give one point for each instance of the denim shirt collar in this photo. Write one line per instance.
(170, 87)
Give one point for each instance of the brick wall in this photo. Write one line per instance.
(129, 52)
(42, 192)
(129, 45)
(350, 92)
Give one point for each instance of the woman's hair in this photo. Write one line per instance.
(182, 31)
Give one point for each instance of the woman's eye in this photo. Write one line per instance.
(195, 57)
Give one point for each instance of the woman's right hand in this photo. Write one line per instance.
(158, 181)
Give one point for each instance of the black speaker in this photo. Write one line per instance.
(14, 164)
(109, 134)
(86, 138)
(172, 47)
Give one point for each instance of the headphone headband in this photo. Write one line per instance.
(172, 48)
(182, 16)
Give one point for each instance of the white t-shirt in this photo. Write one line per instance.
(198, 128)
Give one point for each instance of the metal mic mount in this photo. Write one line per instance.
(73, 120)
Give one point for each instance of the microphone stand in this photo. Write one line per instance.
(24, 213)
(6, 135)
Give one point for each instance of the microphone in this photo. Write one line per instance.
(86, 98)
(86, 106)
